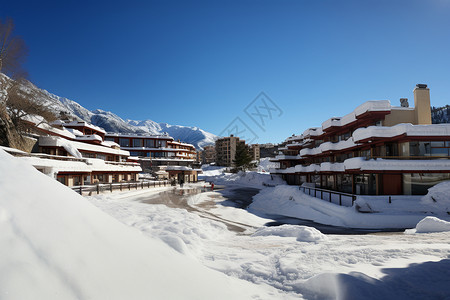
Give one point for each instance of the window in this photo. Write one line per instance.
(124, 142)
(101, 156)
(391, 149)
(137, 142)
(150, 143)
(365, 153)
(88, 155)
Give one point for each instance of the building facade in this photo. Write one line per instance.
(209, 154)
(226, 150)
(156, 152)
(254, 152)
(75, 153)
(378, 149)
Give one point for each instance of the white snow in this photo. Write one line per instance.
(290, 201)
(301, 233)
(72, 145)
(56, 245)
(401, 129)
(422, 165)
(297, 260)
(430, 224)
(265, 164)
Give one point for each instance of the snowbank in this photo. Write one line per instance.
(211, 171)
(57, 245)
(438, 196)
(265, 164)
(430, 224)
(290, 201)
(301, 233)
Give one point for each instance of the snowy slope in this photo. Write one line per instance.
(113, 123)
(56, 245)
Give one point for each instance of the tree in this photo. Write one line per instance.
(19, 99)
(242, 160)
(13, 51)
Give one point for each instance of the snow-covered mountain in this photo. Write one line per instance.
(112, 122)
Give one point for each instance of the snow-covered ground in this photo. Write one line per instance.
(297, 260)
(55, 244)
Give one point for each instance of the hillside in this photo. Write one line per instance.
(440, 114)
(112, 122)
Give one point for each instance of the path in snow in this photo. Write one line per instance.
(178, 198)
(293, 266)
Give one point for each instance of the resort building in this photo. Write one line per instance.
(155, 152)
(377, 149)
(268, 150)
(153, 146)
(75, 154)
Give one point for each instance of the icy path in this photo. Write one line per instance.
(288, 263)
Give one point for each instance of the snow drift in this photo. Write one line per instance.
(56, 245)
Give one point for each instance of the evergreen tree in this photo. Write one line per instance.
(242, 160)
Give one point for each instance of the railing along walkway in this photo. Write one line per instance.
(110, 187)
(342, 199)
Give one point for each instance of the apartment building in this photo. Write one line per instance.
(209, 154)
(226, 150)
(254, 152)
(377, 149)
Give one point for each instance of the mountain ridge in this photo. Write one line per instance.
(111, 122)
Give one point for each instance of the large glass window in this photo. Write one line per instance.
(101, 156)
(419, 183)
(419, 149)
(344, 183)
(150, 143)
(439, 151)
(391, 149)
(365, 184)
(137, 142)
(436, 148)
(124, 142)
(316, 180)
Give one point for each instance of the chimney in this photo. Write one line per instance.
(422, 107)
(404, 102)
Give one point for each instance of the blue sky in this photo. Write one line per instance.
(200, 63)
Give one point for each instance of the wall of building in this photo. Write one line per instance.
(400, 116)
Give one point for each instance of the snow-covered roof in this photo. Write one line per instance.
(313, 131)
(328, 146)
(91, 138)
(434, 130)
(373, 105)
(110, 144)
(182, 144)
(140, 135)
(369, 106)
(178, 168)
(83, 124)
(396, 165)
(73, 147)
